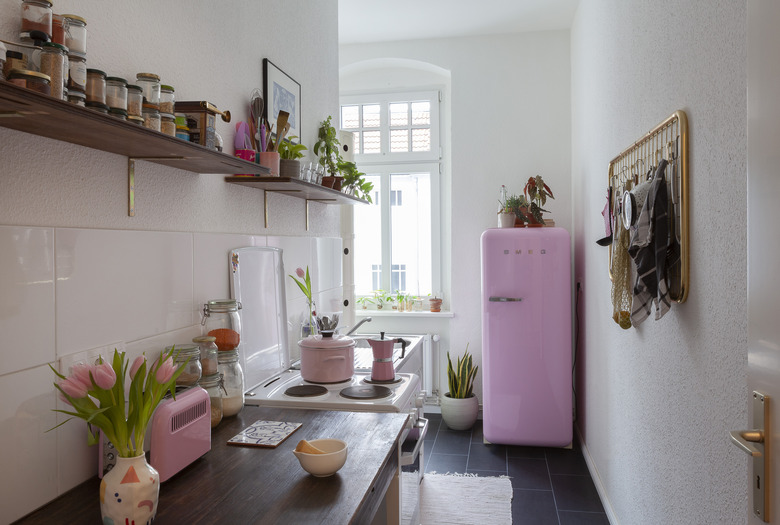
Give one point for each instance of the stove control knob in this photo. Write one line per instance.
(419, 401)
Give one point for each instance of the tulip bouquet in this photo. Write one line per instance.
(305, 286)
(97, 395)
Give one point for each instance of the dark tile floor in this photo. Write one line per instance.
(550, 485)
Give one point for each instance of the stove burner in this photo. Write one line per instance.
(366, 392)
(306, 391)
(393, 381)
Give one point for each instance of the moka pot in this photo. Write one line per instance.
(382, 368)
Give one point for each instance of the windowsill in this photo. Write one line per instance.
(359, 312)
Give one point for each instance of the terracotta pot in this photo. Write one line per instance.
(328, 181)
(337, 183)
(435, 305)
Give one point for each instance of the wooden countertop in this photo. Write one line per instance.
(236, 484)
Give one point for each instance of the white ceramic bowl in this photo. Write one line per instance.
(324, 465)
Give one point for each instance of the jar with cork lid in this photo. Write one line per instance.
(150, 85)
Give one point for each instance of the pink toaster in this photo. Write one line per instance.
(179, 433)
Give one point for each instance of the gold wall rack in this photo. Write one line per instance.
(668, 140)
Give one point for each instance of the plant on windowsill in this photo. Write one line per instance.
(365, 301)
(459, 406)
(289, 155)
(537, 192)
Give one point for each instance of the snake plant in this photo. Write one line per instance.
(461, 378)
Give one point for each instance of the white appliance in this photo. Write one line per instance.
(257, 279)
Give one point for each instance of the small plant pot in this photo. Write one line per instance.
(435, 305)
(506, 220)
(459, 414)
(328, 181)
(337, 183)
(290, 168)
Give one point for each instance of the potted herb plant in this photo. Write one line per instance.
(328, 151)
(459, 406)
(354, 181)
(365, 301)
(289, 153)
(517, 205)
(537, 192)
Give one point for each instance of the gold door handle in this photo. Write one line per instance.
(754, 444)
(744, 439)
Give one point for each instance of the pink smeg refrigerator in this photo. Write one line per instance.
(526, 336)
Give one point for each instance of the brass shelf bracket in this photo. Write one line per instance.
(131, 179)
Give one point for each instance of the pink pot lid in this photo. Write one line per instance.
(318, 341)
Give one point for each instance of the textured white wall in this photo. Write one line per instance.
(207, 51)
(509, 119)
(655, 402)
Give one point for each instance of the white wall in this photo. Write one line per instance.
(508, 119)
(77, 273)
(655, 402)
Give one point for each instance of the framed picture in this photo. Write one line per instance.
(281, 92)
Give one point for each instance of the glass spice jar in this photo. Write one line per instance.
(167, 124)
(78, 98)
(36, 16)
(96, 86)
(208, 353)
(183, 133)
(221, 320)
(77, 73)
(97, 106)
(150, 85)
(31, 80)
(116, 93)
(54, 62)
(75, 33)
(151, 117)
(188, 356)
(135, 120)
(167, 99)
(57, 29)
(121, 114)
(233, 382)
(212, 384)
(135, 100)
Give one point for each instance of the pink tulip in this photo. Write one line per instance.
(301, 273)
(64, 399)
(80, 372)
(104, 376)
(136, 365)
(165, 372)
(73, 387)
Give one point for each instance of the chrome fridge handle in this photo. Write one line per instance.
(505, 299)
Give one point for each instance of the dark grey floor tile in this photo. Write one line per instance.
(564, 461)
(452, 442)
(514, 451)
(443, 463)
(487, 457)
(529, 473)
(476, 432)
(533, 507)
(576, 493)
(568, 517)
(487, 473)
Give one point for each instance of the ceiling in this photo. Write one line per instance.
(362, 21)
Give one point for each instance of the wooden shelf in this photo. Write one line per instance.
(25, 110)
(297, 188)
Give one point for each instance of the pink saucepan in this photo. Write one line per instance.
(327, 358)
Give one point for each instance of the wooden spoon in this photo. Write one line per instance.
(281, 121)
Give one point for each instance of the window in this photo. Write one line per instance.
(396, 143)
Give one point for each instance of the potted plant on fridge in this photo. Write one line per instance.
(517, 204)
(537, 192)
(289, 153)
(459, 406)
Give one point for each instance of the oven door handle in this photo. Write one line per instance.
(407, 458)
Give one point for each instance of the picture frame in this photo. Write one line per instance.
(281, 92)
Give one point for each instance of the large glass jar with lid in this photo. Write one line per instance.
(150, 85)
(208, 353)
(233, 381)
(212, 384)
(188, 356)
(221, 320)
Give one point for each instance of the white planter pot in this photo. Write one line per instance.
(506, 220)
(459, 414)
(290, 168)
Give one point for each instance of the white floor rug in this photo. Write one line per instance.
(464, 499)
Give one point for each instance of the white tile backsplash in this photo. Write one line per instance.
(212, 264)
(27, 298)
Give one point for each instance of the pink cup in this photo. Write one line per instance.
(246, 154)
(270, 159)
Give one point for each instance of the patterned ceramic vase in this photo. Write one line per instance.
(129, 492)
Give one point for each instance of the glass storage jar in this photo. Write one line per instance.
(116, 93)
(54, 62)
(75, 33)
(36, 16)
(189, 354)
(135, 100)
(96, 86)
(213, 386)
(151, 117)
(57, 29)
(233, 382)
(150, 85)
(2, 61)
(31, 80)
(167, 99)
(97, 106)
(78, 98)
(167, 124)
(121, 114)
(221, 320)
(77, 73)
(135, 120)
(183, 133)
(208, 353)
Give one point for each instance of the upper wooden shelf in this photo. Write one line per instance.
(297, 188)
(25, 110)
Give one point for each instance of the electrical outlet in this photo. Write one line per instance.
(89, 356)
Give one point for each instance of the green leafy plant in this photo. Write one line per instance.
(289, 151)
(381, 297)
(327, 147)
(365, 301)
(537, 192)
(461, 377)
(353, 178)
(516, 204)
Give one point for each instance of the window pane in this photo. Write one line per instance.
(350, 117)
(371, 116)
(421, 140)
(399, 140)
(399, 114)
(371, 142)
(411, 232)
(368, 242)
(421, 113)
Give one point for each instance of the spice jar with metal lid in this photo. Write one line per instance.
(188, 357)
(77, 73)
(221, 320)
(233, 379)
(151, 117)
(78, 98)
(31, 80)
(135, 120)
(75, 33)
(150, 85)
(116, 93)
(208, 353)
(36, 16)
(212, 384)
(121, 114)
(96, 86)
(167, 99)
(167, 124)
(183, 133)
(54, 62)
(135, 100)
(97, 106)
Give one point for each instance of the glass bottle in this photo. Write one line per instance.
(221, 320)
(213, 386)
(190, 354)
(208, 353)
(233, 382)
